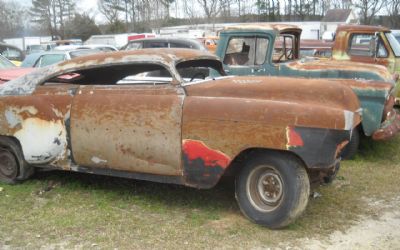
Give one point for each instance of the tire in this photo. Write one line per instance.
(351, 148)
(13, 167)
(289, 189)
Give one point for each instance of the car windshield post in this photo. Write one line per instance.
(394, 44)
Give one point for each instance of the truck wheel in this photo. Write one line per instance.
(12, 164)
(273, 190)
(351, 148)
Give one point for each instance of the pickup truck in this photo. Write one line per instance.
(367, 44)
(273, 49)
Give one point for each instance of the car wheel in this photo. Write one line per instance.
(12, 164)
(273, 189)
(351, 148)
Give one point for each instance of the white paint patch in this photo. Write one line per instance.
(349, 119)
(42, 141)
(97, 160)
(13, 116)
(57, 113)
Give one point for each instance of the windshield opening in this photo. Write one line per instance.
(198, 70)
(394, 44)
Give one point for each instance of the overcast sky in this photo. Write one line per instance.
(89, 6)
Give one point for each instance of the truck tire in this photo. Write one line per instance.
(13, 167)
(272, 189)
(351, 148)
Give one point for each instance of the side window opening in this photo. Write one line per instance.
(283, 49)
(247, 51)
(143, 74)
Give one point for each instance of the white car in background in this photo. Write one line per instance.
(100, 47)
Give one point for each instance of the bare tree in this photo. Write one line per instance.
(11, 23)
(368, 9)
(110, 9)
(211, 8)
(53, 14)
(393, 10)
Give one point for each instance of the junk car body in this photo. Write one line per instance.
(173, 116)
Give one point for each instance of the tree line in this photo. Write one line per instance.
(61, 19)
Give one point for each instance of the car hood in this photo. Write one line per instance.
(301, 102)
(10, 74)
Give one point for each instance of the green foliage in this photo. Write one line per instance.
(81, 26)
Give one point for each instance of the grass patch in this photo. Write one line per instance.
(66, 210)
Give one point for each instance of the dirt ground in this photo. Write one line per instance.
(380, 231)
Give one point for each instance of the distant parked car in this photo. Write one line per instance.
(13, 73)
(31, 49)
(163, 43)
(43, 59)
(100, 47)
(315, 48)
(209, 42)
(5, 63)
(12, 53)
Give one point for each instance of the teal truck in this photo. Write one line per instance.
(273, 50)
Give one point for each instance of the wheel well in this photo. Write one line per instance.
(237, 163)
(14, 144)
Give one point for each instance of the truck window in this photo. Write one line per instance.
(283, 49)
(363, 45)
(247, 51)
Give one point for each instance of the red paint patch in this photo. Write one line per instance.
(198, 150)
(294, 138)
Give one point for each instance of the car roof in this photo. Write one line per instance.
(161, 56)
(156, 55)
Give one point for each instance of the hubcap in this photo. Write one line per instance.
(270, 187)
(8, 164)
(265, 188)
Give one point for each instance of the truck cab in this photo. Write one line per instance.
(367, 44)
(258, 49)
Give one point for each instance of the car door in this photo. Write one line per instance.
(41, 123)
(246, 55)
(131, 127)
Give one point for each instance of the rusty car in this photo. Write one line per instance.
(173, 116)
(249, 49)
